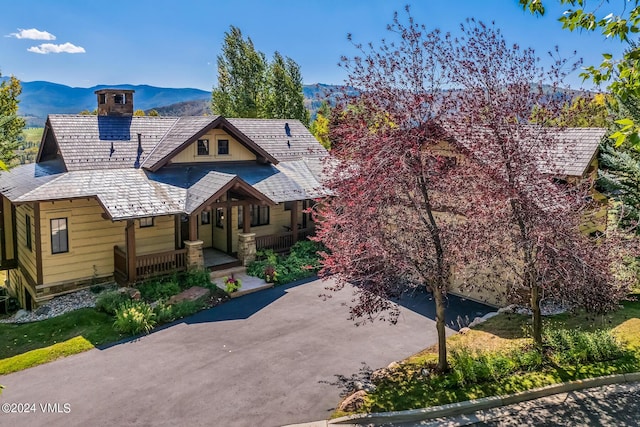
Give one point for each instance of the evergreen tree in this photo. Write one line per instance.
(620, 168)
(10, 124)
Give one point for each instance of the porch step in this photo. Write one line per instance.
(228, 271)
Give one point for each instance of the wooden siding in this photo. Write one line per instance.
(159, 238)
(8, 228)
(237, 151)
(90, 237)
(205, 231)
(26, 256)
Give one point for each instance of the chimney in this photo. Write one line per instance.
(115, 102)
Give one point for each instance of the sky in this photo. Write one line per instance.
(171, 43)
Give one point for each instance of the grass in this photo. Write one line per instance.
(29, 344)
(414, 384)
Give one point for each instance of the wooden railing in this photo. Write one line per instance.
(281, 242)
(148, 265)
(161, 263)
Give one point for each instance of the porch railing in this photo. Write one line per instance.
(281, 242)
(148, 265)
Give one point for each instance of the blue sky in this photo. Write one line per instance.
(171, 43)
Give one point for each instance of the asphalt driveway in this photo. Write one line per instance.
(258, 360)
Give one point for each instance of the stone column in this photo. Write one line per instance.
(195, 256)
(246, 248)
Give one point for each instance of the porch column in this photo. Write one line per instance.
(193, 227)
(246, 218)
(195, 256)
(130, 232)
(246, 248)
(294, 220)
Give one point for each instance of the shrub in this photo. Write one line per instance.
(575, 346)
(186, 308)
(134, 317)
(164, 313)
(154, 290)
(196, 277)
(109, 301)
(270, 274)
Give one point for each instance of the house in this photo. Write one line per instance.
(126, 197)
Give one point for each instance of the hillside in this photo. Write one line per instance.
(40, 98)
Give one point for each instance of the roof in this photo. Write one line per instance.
(561, 151)
(574, 150)
(107, 142)
(283, 139)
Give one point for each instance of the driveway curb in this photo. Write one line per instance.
(470, 406)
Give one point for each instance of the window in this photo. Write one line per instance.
(27, 222)
(259, 215)
(146, 222)
(219, 217)
(59, 236)
(205, 218)
(102, 98)
(203, 147)
(223, 147)
(288, 206)
(120, 98)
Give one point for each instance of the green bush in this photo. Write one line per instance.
(186, 308)
(155, 290)
(109, 301)
(164, 313)
(196, 277)
(134, 317)
(575, 346)
(303, 261)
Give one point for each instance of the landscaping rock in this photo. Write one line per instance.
(508, 309)
(464, 331)
(55, 307)
(133, 293)
(379, 374)
(191, 294)
(364, 385)
(490, 315)
(20, 314)
(353, 402)
(393, 365)
(42, 310)
(476, 322)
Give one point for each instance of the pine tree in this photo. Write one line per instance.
(620, 168)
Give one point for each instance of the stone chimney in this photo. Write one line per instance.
(115, 102)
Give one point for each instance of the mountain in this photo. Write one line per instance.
(40, 98)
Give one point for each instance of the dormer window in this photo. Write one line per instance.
(203, 147)
(120, 98)
(223, 147)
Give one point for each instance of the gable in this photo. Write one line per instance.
(214, 142)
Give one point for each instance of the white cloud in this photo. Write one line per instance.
(32, 34)
(46, 48)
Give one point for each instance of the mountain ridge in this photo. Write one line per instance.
(40, 98)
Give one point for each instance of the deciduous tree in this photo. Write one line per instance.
(10, 124)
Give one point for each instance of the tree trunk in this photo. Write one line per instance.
(443, 366)
(537, 314)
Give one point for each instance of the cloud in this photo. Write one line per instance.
(46, 48)
(32, 34)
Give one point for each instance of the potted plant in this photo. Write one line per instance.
(232, 284)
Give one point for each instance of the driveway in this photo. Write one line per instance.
(258, 360)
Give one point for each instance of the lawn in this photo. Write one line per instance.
(498, 345)
(40, 342)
